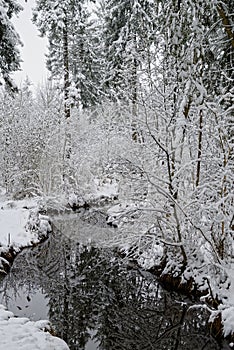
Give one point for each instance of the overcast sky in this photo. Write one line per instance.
(34, 49)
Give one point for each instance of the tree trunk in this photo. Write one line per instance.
(226, 23)
(199, 152)
(66, 69)
(135, 135)
(67, 113)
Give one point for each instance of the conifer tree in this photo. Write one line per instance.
(9, 40)
(71, 49)
(128, 33)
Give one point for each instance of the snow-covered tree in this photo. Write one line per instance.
(128, 33)
(186, 161)
(31, 152)
(9, 41)
(189, 125)
(73, 49)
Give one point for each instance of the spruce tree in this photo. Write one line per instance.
(9, 40)
(128, 33)
(71, 49)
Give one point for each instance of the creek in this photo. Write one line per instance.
(94, 300)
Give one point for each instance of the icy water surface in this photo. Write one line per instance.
(95, 302)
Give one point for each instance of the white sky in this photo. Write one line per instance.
(34, 49)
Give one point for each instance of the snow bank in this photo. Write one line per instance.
(228, 321)
(23, 334)
(17, 219)
(21, 225)
(13, 226)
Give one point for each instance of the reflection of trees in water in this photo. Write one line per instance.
(90, 292)
(139, 322)
(137, 326)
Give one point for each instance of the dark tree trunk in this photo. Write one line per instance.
(66, 69)
(199, 152)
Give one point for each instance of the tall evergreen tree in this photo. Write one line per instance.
(128, 33)
(86, 60)
(71, 48)
(9, 40)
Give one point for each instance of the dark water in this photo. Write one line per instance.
(95, 302)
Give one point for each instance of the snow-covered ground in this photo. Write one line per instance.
(14, 230)
(20, 222)
(23, 334)
(227, 308)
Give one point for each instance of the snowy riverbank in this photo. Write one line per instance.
(22, 226)
(16, 221)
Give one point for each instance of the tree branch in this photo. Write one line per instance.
(226, 23)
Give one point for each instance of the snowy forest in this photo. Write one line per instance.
(137, 111)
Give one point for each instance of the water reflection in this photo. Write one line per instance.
(25, 302)
(94, 302)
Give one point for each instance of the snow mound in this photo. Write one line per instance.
(23, 334)
(20, 224)
(13, 222)
(228, 321)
